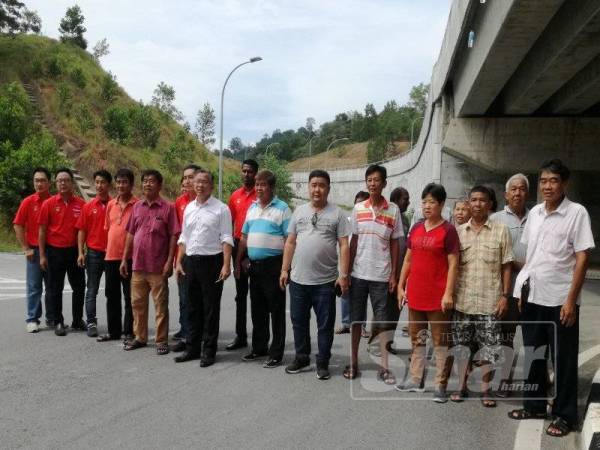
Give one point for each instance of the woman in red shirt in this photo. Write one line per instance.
(427, 283)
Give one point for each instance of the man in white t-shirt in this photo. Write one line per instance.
(558, 236)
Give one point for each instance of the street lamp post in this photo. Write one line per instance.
(336, 140)
(310, 150)
(268, 146)
(412, 128)
(251, 60)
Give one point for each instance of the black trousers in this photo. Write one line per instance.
(267, 298)
(114, 284)
(241, 295)
(61, 262)
(204, 303)
(538, 335)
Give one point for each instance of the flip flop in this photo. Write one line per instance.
(351, 372)
(560, 425)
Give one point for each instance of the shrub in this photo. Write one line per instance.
(78, 77)
(37, 68)
(64, 97)
(54, 67)
(179, 153)
(109, 88)
(272, 163)
(15, 168)
(84, 119)
(15, 117)
(144, 126)
(116, 123)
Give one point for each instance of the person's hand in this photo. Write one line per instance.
(43, 262)
(501, 307)
(284, 279)
(167, 269)
(568, 314)
(401, 297)
(519, 305)
(29, 254)
(393, 283)
(179, 270)
(224, 274)
(123, 269)
(447, 303)
(81, 260)
(343, 283)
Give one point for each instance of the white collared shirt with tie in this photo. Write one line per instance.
(206, 227)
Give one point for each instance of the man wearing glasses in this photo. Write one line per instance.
(315, 230)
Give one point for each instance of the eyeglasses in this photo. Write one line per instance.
(314, 220)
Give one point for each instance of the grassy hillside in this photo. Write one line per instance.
(344, 156)
(68, 86)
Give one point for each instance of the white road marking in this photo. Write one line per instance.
(529, 432)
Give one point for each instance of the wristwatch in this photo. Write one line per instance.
(506, 295)
(343, 275)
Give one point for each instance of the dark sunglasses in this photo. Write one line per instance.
(314, 220)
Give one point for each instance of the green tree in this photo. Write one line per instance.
(272, 163)
(377, 149)
(31, 21)
(100, 49)
(15, 114)
(15, 168)
(179, 153)
(71, 27)
(116, 123)
(418, 98)
(16, 18)
(205, 125)
(163, 99)
(236, 145)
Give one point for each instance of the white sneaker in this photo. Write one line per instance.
(32, 327)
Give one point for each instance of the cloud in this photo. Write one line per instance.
(319, 57)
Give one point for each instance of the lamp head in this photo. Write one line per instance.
(255, 59)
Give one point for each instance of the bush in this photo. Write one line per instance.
(15, 116)
(144, 126)
(84, 119)
(54, 67)
(270, 162)
(110, 89)
(376, 150)
(37, 68)
(64, 97)
(15, 168)
(78, 77)
(116, 123)
(179, 153)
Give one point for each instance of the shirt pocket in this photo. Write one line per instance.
(490, 253)
(466, 253)
(554, 243)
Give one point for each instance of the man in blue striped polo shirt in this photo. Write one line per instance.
(263, 235)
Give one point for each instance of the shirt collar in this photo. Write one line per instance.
(487, 223)
(37, 196)
(250, 192)
(562, 208)
(273, 200)
(206, 203)
(509, 211)
(159, 201)
(133, 199)
(368, 203)
(59, 198)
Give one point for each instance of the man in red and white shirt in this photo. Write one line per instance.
(58, 251)
(239, 202)
(187, 196)
(92, 235)
(26, 225)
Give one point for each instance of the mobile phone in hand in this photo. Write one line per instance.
(338, 290)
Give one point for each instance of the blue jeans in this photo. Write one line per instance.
(321, 298)
(35, 278)
(345, 304)
(94, 265)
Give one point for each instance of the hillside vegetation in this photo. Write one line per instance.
(93, 119)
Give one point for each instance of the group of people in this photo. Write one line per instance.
(468, 276)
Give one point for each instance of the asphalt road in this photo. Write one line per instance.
(73, 392)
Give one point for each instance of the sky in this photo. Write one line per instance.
(320, 57)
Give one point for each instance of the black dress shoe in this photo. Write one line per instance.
(237, 343)
(178, 346)
(79, 325)
(206, 361)
(185, 356)
(59, 330)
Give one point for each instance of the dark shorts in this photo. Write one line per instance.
(360, 291)
(479, 333)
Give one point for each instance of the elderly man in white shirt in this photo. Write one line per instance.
(558, 236)
(206, 241)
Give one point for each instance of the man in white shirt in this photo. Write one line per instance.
(558, 236)
(206, 241)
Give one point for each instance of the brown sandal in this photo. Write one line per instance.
(133, 345)
(351, 372)
(162, 349)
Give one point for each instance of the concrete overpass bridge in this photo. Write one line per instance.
(527, 90)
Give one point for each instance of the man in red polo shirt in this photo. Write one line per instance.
(239, 202)
(187, 196)
(26, 224)
(58, 251)
(92, 235)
